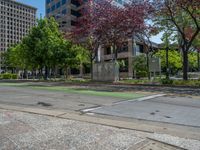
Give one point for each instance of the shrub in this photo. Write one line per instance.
(14, 76)
(141, 74)
(166, 81)
(187, 83)
(8, 76)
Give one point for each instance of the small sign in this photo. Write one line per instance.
(155, 64)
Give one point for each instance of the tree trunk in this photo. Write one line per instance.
(66, 72)
(115, 50)
(91, 68)
(198, 59)
(148, 73)
(46, 73)
(41, 73)
(185, 64)
(81, 70)
(33, 73)
(54, 72)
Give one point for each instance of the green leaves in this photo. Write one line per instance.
(46, 47)
(175, 60)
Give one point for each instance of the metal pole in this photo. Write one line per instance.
(167, 62)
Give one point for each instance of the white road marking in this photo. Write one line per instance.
(150, 97)
(142, 98)
(139, 99)
(90, 109)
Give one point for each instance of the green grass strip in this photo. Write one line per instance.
(122, 95)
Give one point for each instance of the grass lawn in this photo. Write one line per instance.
(122, 95)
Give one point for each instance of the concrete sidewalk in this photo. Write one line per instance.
(32, 131)
(38, 130)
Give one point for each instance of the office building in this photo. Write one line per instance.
(64, 11)
(16, 19)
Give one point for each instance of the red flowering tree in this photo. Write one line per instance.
(106, 23)
(183, 18)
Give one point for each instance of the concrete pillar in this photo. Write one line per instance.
(130, 59)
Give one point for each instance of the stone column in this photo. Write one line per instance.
(130, 59)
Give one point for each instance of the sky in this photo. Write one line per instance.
(40, 5)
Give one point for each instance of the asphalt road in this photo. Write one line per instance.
(174, 110)
(51, 99)
(170, 109)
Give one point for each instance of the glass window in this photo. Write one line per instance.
(138, 49)
(48, 1)
(64, 2)
(119, 1)
(48, 10)
(53, 8)
(58, 5)
(64, 11)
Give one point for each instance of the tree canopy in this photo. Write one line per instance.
(182, 19)
(45, 47)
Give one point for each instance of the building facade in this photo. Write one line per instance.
(16, 19)
(131, 48)
(64, 11)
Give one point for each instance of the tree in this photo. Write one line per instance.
(43, 47)
(42, 42)
(174, 60)
(15, 57)
(96, 28)
(144, 37)
(196, 45)
(140, 65)
(82, 56)
(105, 24)
(183, 18)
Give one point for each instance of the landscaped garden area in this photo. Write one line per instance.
(46, 53)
